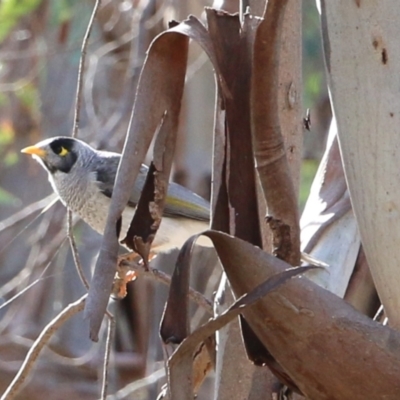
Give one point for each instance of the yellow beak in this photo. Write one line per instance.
(34, 150)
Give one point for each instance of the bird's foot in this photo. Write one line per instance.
(125, 273)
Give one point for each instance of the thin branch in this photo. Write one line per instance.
(27, 212)
(94, 61)
(74, 249)
(39, 344)
(110, 334)
(20, 218)
(24, 343)
(46, 256)
(11, 285)
(78, 104)
(244, 4)
(133, 387)
(78, 98)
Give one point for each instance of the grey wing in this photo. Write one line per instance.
(183, 202)
(180, 201)
(106, 170)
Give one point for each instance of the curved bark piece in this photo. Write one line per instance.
(180, 363)
(158, 93)
(268, 143)
(328, 227)
(363, 61)
(328, 349)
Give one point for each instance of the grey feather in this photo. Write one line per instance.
(84, 179)
(180, 201)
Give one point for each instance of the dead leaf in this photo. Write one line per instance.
(268, 143)
(326, 347)
(157, 93)
(180, 363)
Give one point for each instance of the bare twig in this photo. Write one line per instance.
(25, 289)
(78, 104)
(38, 345)
(110, 334)
(133, 387)
(20, 218)
(74, 249)
(27, 212)
(46, 256)
(78, 98)
(101, 127)
(53, 353)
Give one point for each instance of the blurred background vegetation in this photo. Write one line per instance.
(40, 43)
(40, 47)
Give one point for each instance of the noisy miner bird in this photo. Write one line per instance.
(84, 178)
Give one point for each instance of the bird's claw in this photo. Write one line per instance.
(126, 274)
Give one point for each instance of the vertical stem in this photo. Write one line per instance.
(268, 141)
(290, 92)
(107, 355)
(78, 98)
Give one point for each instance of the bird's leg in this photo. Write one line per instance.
(125, 273)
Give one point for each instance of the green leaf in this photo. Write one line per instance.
(29, 96)
(62, 10)
(7, 133)
(8, 199)
(11, 11)
(10, 159)
(308, 171)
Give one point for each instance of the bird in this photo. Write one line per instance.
(83, 178)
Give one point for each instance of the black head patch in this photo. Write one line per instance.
(65, 150)
(58, 145)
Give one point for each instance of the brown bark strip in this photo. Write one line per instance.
(149, 211)
(232, 44)
(181, 361)
(39, 344)
(269, 150)
(157, 93)
(301, 321)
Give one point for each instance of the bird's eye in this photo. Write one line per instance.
(63, 151)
